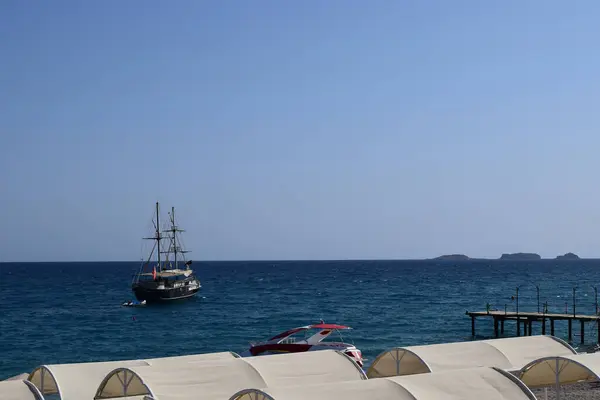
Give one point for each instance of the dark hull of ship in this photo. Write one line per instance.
(152, 295)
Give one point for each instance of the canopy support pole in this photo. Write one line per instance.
(557, 372)
(125, 383)
(398, 360)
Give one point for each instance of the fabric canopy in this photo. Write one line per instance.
(466, 384)
(80, 381)
(509, 353)
(218, 379)
(221, 377)
(310, 367)
(19, 390)
(549, 371)
(225, 355)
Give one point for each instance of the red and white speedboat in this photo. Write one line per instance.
(306, 338)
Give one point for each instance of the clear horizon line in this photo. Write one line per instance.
(305, 260)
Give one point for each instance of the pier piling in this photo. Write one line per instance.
(495, 326)
(544, 325)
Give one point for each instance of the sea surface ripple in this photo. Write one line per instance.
(70, 312)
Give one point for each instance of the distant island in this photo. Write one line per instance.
(520, 256)
(453, 257)
(505, 257)
(568, 256)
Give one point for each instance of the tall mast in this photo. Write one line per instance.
(158, 236)
(174, 235)
(174, 246)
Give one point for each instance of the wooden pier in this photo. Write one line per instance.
(528, 318)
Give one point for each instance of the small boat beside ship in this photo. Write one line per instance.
(134, 303)
(160, 277)
(307, 338)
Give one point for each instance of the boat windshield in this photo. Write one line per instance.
(333, 335)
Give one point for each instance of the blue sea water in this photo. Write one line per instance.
(70, 312)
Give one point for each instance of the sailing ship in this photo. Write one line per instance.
(165, 281)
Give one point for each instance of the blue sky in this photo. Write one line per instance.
(300, 129)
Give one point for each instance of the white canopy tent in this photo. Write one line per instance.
(562, 370)
(219, 379)
(19, 390)
(79, 381)
(312, 367)
(193, 358)
(509, 354)
(466, 384)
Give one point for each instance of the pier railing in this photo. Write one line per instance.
(513, 310)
